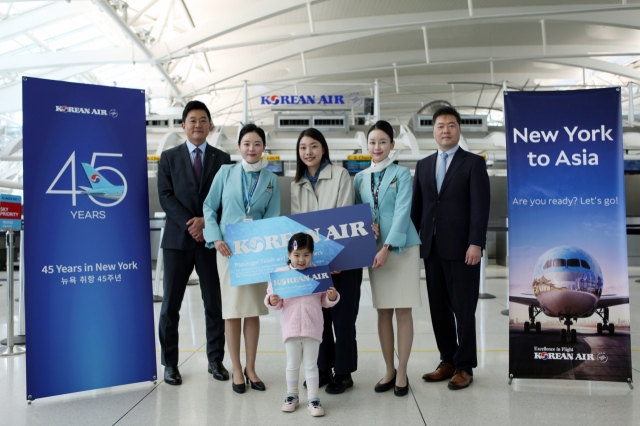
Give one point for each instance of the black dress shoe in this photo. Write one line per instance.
(325, 379)
(254, 385)
(172, 375)
(339, 384)
(238, 388)
(401, 391)
(217, 369)
(383, 387)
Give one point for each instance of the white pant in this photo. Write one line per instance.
(302, 350)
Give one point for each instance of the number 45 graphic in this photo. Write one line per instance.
(100, 187)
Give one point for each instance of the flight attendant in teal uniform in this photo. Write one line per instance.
(245, 192)
(395, 275)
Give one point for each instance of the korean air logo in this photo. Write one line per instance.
(113, 113)
(302, 100)
(355, 99)
(544, 356)
(95, 178)
(80, 110)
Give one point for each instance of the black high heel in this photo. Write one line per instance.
(255, 385)
(401, 391)
(238, 388)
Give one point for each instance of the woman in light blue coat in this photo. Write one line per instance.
(244, 191)
(395, 275)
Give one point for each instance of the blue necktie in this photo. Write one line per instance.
(442, 170)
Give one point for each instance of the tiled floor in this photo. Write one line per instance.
(202, 400)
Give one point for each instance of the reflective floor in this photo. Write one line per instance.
(203, 400)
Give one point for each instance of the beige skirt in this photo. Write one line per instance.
(242, 301)
(397, 283)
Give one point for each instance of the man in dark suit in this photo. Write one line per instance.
(450, 208)
(184, 178)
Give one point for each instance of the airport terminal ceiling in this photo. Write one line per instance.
(321, 58)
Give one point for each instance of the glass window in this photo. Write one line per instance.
(574, 263)
(559, 262)
(547, 264)
(585, 265)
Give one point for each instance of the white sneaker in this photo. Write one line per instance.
(290, 404)
(315, 408)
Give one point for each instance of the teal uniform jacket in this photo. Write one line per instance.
(227, 191)
(394, 202)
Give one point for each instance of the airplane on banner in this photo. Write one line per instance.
(567, 284)
(100, 187)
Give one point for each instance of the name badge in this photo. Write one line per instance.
(247, 219)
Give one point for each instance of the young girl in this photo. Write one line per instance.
(302, 324)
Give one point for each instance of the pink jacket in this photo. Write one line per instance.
(301, 316)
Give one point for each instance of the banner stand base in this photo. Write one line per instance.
(20, 340)
(505, 312)
(7, 351)
(193, 282)
(486, 296)
(510, 379)
(157, 299)
(630, 383)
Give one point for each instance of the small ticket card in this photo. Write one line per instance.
(296, 283)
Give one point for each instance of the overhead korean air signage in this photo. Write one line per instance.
(352, 99)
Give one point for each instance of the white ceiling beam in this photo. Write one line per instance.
(141, 12)
(367, 62)
(131, 36)
(597, 65)
(245, 64)
(41, 17)
(11, 95)
(224, 24)
(201, 56)
(622, 18)
(65, 58)
(161, 22)
(613, 16)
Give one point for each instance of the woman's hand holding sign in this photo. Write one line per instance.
(222, 248)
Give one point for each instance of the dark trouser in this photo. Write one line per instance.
(453, 288)
(178, 265)
(341, 354)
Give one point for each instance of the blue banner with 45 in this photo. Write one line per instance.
(87, 253)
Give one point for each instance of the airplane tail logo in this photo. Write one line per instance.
(95, 178)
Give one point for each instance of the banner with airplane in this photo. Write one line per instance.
(89, 305)
(568, 280)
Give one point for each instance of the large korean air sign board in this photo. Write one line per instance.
(352, 99)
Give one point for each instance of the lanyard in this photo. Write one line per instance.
(249, 194)
(375, 191)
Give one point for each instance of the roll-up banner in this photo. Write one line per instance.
(568, 280)
(89, 309)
